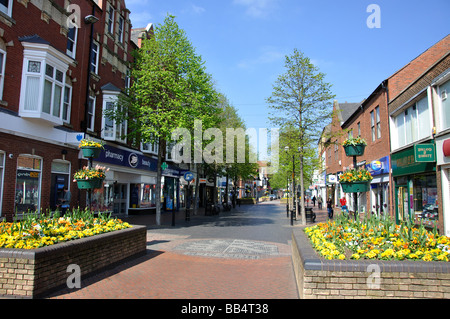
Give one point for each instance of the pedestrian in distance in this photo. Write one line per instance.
(319, 201)
(344, 207)
(314, 200)
(330, 208)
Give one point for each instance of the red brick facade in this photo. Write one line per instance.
(44, 23)
(388, 96)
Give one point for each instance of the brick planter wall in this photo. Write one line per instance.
(320, 278)
(34, 273)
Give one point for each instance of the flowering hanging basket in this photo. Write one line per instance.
(91, 151)
(90, 183)
(90, 148)
(354, 150)
(355, 187)
(354, 146)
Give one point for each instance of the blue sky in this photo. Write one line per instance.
(244, 42)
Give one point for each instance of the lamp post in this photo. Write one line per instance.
(294, 199)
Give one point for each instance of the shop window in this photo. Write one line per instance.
(142, 195)
(28, 183)
(425, 198)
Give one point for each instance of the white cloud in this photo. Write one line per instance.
(197, 9)
(267, 55)
(257, 8)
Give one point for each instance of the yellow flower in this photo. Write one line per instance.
(341, 256)
(356, 256)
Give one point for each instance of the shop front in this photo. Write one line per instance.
(130, 183)
(415, 196)
(443, 162)
(379, 187)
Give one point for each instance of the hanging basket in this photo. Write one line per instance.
(89, 183)
(354, 150)
(91, 151)
(355, 187)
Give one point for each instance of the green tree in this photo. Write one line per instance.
(171, 89)
(302, 102)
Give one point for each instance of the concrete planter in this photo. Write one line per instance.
(364, 279)
(35, 273)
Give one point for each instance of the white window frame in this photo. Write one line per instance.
(72, 53)
(110, 20)
(117, 129)
(91, 123)
(120, 28)
(31, 103)
(411, 120)
(67, 105)
(94, 67)
(2, 73)
(378, 122)
(7, 10)
(439, 93)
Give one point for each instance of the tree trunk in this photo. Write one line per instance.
(197, 188)
(161, 152)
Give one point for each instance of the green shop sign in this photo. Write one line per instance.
(425, 153)
(404, 162)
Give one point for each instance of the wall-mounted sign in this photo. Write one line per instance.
(424, 153)
(446, 147)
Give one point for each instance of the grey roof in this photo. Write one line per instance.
(33, 39)
(110, 87)
(347, 110)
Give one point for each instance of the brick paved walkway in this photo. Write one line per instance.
(178, 266)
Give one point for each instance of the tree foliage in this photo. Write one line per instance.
(302, 104)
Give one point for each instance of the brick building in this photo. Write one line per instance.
(419, 128)
(397, 102)
(62, 62)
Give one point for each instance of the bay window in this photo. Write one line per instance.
(43, 93)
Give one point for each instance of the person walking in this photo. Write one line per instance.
(330, 208)
(314, 200)
(344, 207)
(319, 202)
(65, 201)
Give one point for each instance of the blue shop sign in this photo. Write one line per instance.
(379, 166)
(120, 157)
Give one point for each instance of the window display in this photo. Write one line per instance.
(28, 180)
(425, 199)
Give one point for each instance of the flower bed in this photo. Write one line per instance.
(39, 231)
(377, 239)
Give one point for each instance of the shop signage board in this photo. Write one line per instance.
(425, 153)
(403, 163)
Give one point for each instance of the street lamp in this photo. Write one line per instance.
(294, 198)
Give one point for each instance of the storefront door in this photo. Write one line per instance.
(402, 203)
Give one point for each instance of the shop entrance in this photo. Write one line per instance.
(401, 193)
